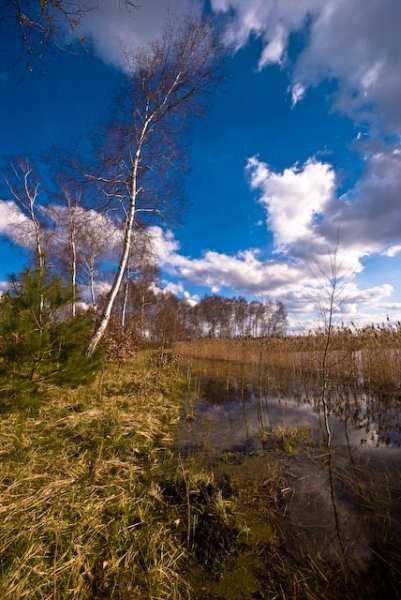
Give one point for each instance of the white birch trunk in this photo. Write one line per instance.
(73, 277)
(128, 234)
(129, 224)
(73, 248)
(40, 256)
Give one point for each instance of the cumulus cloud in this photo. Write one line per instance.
(271, 20)
(355, 43)
(177, 289)
(369, 214)
(95, 231)
(297, 93)
(243, 272)
(298, 284)
(292, 198)
(392, 251)
(309, 222)
(307, 219)
(15, 225)
(118, 30)
(164, 243)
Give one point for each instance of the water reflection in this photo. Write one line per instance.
(238, 407)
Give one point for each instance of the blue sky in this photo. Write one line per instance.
(273, 183)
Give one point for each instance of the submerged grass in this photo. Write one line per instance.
(294, 555)
(81, 514)
(290, 439)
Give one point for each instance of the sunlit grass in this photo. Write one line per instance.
(79, 514)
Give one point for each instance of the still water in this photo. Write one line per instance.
(234, 408)
(342, 503)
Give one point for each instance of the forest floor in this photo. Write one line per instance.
(96, 501)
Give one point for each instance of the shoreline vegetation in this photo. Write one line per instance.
(369, 356)
(97, 501)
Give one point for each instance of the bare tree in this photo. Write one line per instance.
(327, 312)
(140, 263)
(166, 83)
(329, 305)
(99, 239)
(23, 184)
(68, 222)
(42, 23)
(81, 239)
(329, 301)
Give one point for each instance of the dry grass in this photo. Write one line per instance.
(370, 356)
(80, 513)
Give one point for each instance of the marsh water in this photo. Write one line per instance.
(234, 408)
(339, 503)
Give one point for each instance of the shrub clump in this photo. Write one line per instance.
(39, 345)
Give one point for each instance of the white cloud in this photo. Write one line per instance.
(307, 221)
(163, 242)
(392, 251)
(173, 288)
(243, 272)
(117, 29)
(292, 198)
(177, 289)
(354, 42)
(368, 216)
(305, 217)
(298, 285)
(15, 225)
(297, 93)
(271, 20)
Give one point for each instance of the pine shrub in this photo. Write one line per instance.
(39, 346)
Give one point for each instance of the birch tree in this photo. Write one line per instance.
(81, 240)
(23, 188)
(165, 86)
(69, 223)
(99, 240)
(141, 265)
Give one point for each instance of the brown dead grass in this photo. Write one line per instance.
(80, 515)
(370, 356)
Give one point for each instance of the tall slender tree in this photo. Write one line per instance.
(23, 187)
(165, 86)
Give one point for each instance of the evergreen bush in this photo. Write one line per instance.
(39, 346)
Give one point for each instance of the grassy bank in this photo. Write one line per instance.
(370, 356)
(87, 482)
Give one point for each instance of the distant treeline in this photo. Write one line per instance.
(163, 317)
